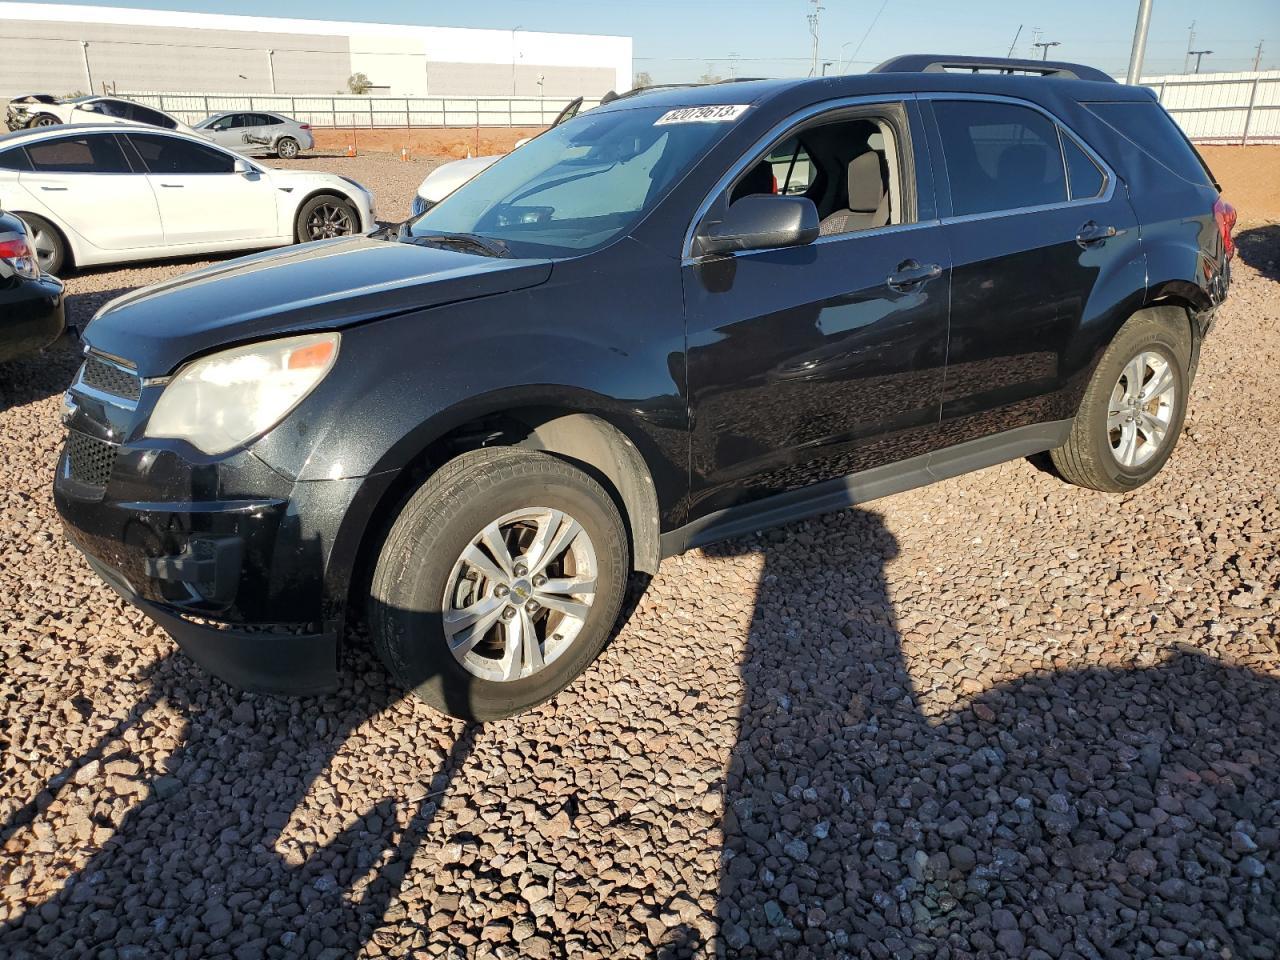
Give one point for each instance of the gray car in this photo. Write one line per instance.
(258, 132)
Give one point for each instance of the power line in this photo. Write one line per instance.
(872, 26)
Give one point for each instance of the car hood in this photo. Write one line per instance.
(327, 285)
(448, 177)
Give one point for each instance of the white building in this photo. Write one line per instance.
(52, 48)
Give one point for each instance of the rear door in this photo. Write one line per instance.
(90, 187)
(810, 363)
(1044, 242)
(202, 199)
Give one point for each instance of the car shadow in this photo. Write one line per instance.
(870, 811)
(1259, 246)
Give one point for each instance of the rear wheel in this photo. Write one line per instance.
(44, 120)
(499, 582)
(50, 247)
(1133, 408)
(325, 217)
(286, 148)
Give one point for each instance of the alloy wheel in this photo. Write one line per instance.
(286, 149)
(519, 594)
(329, 220)
(1142, 407)
(45, 246)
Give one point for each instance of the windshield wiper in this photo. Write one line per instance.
(485, 245)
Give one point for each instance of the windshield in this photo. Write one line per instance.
(577, 186)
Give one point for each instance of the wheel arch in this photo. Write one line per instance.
(70, 239)
(325, 191)
(587, 439)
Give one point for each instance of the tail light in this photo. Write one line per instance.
(1225, 214)
(304, 126)
(15, 251)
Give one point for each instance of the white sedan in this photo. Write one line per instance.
(37, 111)
(108, 194)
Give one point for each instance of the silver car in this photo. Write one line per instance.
(257, 132)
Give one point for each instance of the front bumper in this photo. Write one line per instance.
(247, 569)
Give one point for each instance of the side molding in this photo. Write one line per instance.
(866, 485)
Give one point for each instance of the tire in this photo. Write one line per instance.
(44, 120)
(1115, 446)
(421, 577)
(287, 148)
(51, 247)
(326, 216)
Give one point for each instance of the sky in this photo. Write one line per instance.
(678, 40)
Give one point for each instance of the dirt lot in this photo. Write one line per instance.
(997, 717)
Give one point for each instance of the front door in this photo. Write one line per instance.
(1045, 243)
(202, 198)
(810, 363)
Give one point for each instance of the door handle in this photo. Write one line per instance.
(1091, 233)
(55, 189)
(172, 186)
(911, 274)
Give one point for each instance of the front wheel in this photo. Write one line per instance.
(45, 120)
(1133, 408)
(286, 148)
(326, 217)
(499, 582)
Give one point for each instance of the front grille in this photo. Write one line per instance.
(89, 460)
(109, 378)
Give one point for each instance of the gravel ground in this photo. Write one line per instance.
(997, 717)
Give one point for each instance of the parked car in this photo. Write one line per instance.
(447, 177)
(108, 194)
(39, 110)
(256, 133)
(31, 308)
(619, 342)
(19, 110)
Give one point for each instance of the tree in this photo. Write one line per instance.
(358, 83)
(642, 79)
(710, 77)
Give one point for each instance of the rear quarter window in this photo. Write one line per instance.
(14, 159)
(1148, 126)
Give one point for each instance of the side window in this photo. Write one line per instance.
(1084, 179)
(172, 155)
(153, 117)
(260, 120)
(792, 167)
(93, 154)
(15, 159)
(1000, 156)
(110, 108)
(267, 120)
(1147, 124)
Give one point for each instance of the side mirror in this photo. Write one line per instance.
(762, 222)
(244, 168)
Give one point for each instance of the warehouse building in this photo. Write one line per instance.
(63, 49)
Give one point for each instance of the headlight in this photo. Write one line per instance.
(224, 400)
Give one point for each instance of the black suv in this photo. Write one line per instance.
(682, 316)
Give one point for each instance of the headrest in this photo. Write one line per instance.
(866, 182)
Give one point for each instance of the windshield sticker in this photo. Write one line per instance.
(723, 113)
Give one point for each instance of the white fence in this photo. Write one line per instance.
(367, 111)
(1223, 107)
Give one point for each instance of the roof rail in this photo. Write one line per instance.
(935, 63)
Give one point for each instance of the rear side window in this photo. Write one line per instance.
(171, 155)
(1084, 179)
(15, 159)
(92, 154)
(153, 117)
(1000, 156)
(1147, 124)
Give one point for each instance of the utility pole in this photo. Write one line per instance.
(1199, 55)
(825, 64)
(815, 30)
(1191, 42)
(1044, 46)
(1139, 51)
(1014, 45)
(1257, 57)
